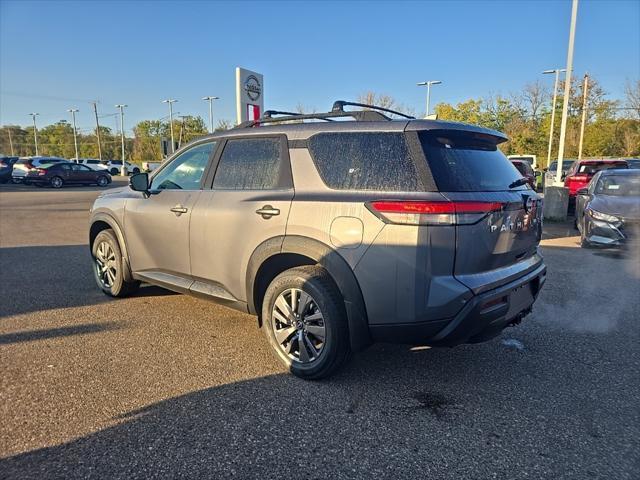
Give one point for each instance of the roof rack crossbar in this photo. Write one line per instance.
(371, 114)
(338, 106)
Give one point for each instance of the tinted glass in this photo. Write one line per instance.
(462, 163)
(249, 164)
(619, 185)
(591, 168)
(64, 166)
(523, 168)
(80, 168)
(185, 171)
(364, 161)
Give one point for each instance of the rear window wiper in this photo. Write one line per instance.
(518, 183)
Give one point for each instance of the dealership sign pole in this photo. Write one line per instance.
(249, 95)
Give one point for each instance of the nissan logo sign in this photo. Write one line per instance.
(252, 87)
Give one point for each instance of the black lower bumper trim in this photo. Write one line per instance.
(483, 317)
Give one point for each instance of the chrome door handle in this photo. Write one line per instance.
(179, 210)
(268, 211)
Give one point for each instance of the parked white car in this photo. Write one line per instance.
(24, 164)
(114, 167)
(150, 166)
(93, 163)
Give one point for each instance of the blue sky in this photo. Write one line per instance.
(59, 54)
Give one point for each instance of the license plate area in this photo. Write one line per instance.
(520, 298)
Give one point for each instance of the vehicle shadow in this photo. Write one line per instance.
(544, 410)
(47, 333)
(50, 277)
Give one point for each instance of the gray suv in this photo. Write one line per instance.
(336, 229)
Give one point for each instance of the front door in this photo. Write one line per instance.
(81, 174)
(157, 226)
(248, 203)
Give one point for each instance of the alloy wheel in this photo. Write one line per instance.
(298, 325)
(56, 182)
(106, 264)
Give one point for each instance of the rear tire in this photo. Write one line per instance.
(108, 266)
(319, 324)
(56, 182)
(114, 171)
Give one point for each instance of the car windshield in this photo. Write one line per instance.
(464, 163)
(619, 185)
(593, 167)
(566, 165)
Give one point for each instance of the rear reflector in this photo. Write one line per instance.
(432, 213)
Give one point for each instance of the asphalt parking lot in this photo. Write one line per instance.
(165, 385)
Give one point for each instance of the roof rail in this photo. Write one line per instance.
(338, 106)
(371, 114)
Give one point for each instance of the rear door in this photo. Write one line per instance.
(498, 227)
(157, 226)
(248, 203)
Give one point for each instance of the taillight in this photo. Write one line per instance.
(432, 213)
(576, 179)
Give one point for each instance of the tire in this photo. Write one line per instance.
(56, 182)
(322, 314)
(102, 181)
(16, 180)
(108, 266)
(114, 171)
(136, 171)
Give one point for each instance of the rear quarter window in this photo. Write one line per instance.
(364, 161)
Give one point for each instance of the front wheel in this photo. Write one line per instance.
(108, 266)
(56, 182)
(305, 322)
(102, 181)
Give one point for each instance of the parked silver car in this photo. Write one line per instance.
(335, 234)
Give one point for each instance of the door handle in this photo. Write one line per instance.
(179, 210)
(268, 211)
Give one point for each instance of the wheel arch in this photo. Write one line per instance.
(103, 221)
(278, 254)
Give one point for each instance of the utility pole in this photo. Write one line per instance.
(10, 141)
(567, 91)
(557, 71)
(210, 99)
(585, 88)
(75, 133)
(95, 111)
(123, 167)
(171, 101)
(35, 131)
(428, 85)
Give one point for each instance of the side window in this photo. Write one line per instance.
(249, 164)
(184, 172)
(364, 161)
(65, 166)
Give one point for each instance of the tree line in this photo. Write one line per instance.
(612, 127)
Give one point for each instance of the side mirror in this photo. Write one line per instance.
(139, 182)
(583, 191)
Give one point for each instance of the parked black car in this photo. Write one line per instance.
(608, 210)
(6, 167)
(59, 174)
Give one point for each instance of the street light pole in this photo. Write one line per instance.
(75, 132)
(567, 90)
(557, 71)
(210, 99)
(585, 89)
(35, 131)
(123, 168)
(428, 85)
(171, 101)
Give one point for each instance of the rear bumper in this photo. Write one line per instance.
(483, 317)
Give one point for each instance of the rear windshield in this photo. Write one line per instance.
(462, 163)
(619, 185)
(591, 168)
(365, 161)
(523, 167)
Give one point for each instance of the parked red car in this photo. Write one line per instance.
(526, 171)
(582, 172)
